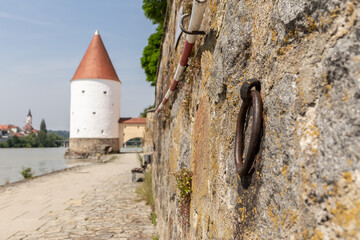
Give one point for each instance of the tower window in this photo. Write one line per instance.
(83, 91)
(78, 130)
(102, 131)
(105, 92)
(94, 113)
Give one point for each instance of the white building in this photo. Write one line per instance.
(95, 102)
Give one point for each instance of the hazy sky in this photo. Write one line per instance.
(42, 43)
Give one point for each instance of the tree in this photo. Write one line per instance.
(155, 11)
(150, 58)
(42, 139)
(31, 140)
(43, 126)
(51, 138)
(143, 113)
(16, 141)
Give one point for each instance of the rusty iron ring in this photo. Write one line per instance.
(250, 98)
(186, 31)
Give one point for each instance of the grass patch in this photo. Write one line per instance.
(112, 158)
(140, 159)
(153, 218)
(144, 190)
(144, 193)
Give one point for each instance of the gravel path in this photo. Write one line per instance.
(89, 202)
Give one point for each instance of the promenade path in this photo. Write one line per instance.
(88, 202)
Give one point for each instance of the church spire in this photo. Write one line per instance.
(29, 118)
(96, 63)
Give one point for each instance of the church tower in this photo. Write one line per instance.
(29, 118)
(95, 102)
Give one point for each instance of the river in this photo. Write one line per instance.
(40, 160)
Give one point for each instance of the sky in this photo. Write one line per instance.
(42, 43)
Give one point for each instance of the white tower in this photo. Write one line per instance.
(95, 102)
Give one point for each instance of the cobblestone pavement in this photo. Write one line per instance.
(108, 211)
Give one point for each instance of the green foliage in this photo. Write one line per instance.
(43, 139)
(183, 179)
(144, 193)
(150, 57)
(153, 218)
(155, 237)
(31, 140)
(51, 138)
(62, 133)
(27, 172)
(43, 126)
(143, 113)
(112, 159)
(144, 190)
(155, 10)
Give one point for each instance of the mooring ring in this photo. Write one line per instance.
(243, 165)
(186, 31)
(246, 88)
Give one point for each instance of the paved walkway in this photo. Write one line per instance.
(88, 202)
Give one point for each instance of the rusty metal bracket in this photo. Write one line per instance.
(250, 98)
(186, 31)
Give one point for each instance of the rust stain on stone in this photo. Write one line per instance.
(201, 159)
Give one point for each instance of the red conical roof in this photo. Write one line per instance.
(96, 63)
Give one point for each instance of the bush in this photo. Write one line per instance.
(27, 172)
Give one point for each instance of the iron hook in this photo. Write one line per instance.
(186, 31)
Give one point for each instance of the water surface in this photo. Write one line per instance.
(40, 160)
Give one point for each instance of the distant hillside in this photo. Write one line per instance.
(62, 133)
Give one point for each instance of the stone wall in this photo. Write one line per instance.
(92, 145)
(307, 174)
(149, 132)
